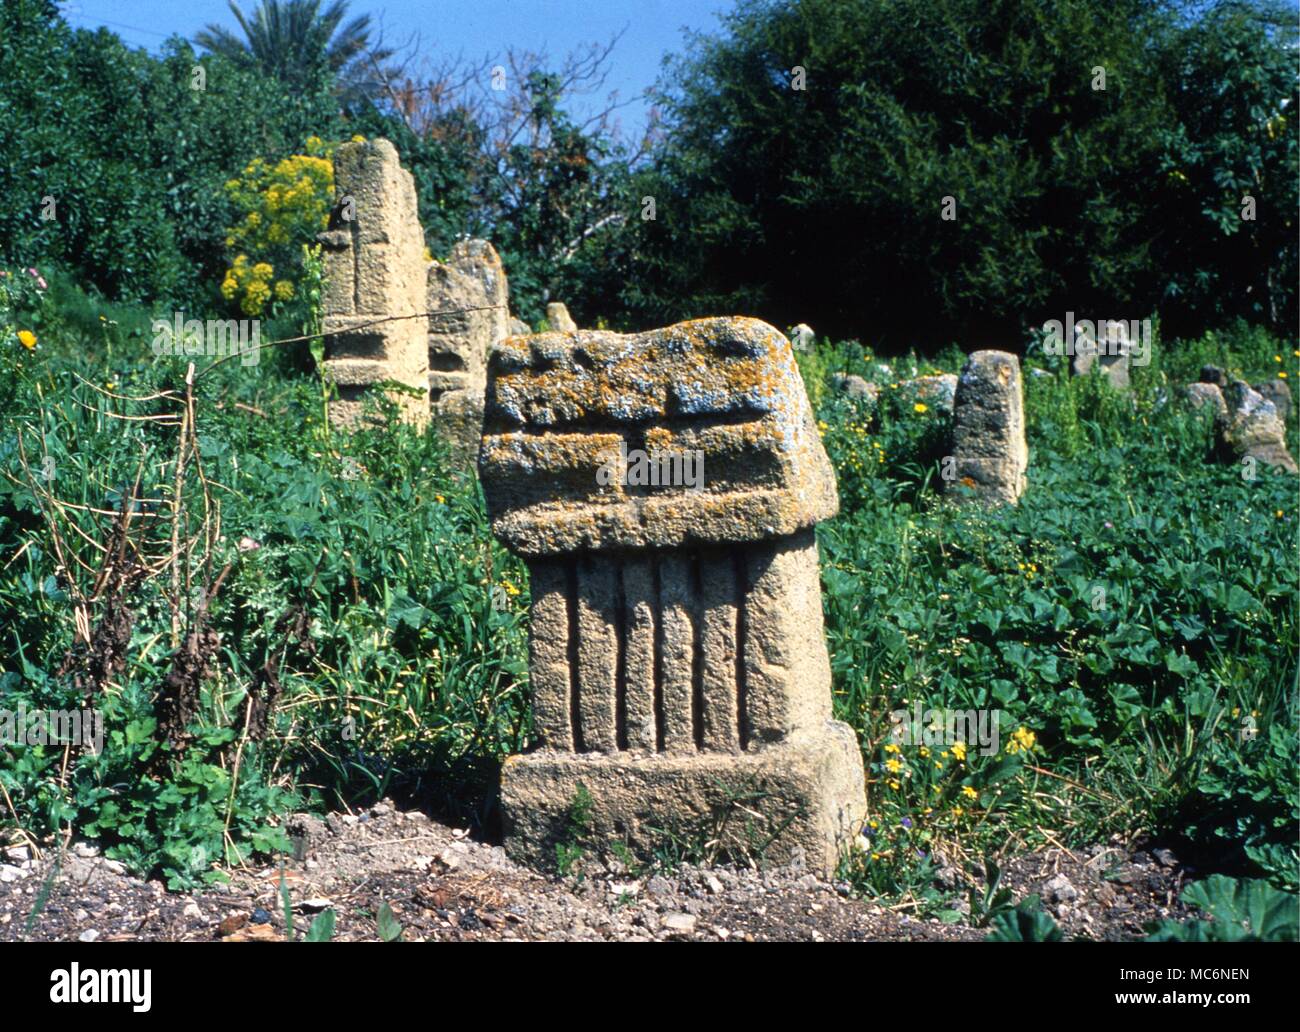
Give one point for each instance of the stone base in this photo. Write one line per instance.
(803, 796)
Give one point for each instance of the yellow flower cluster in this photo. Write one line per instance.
(250, 283)
(1022, 740)
(283, 205)
(860, 441)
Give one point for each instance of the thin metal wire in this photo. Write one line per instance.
(349, 329)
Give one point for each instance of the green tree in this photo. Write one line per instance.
(555, 190)
(814, 147)
(1224, 220)
(148, 221)
(298, 43)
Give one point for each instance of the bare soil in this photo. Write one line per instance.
(441, 884)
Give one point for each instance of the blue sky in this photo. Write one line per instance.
(474, 28)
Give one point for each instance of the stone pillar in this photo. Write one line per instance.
(468, 299)
(676, 652)
(1110, 353)
(374, 270)
(559, 319)
(988, 432)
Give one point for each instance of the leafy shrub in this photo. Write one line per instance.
(1133, 600)
(1028, 922)
(1236, 911)
(1246, 801)
(1118, 717)
(281, 207)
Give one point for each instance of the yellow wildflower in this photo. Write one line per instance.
(27, 339)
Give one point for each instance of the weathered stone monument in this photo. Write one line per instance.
(676, 652)
(853, 386)
(374, 285)
(467, 302)
(988, 434)
(1108, 349)
(1254, 429)
(1247, 425)
(802, 337)
(557, 315)
(1207, 393)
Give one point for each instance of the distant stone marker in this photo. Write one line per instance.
(1205, 393)
(557, 315)
(676, 650)
(1109, 350)
(1254, 429)
(853, 386)
(989, 428)
(1246, 423)
(937, 390)
(374, 285)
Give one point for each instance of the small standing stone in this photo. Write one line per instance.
(854, 386)
(1109, 352)
(989, 450)
(1253, 428)
(468, 301)
(557, 315)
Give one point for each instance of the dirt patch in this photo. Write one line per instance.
(443, 885)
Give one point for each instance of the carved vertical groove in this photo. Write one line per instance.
(660, 723)
(742, 679)
(621, 622)
(575, 685)
(697, 653)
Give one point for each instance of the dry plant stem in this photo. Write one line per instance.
(234, 777)
(177, 484)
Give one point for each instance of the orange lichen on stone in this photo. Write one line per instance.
(725, 390)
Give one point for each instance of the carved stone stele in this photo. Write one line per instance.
(677, 657)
